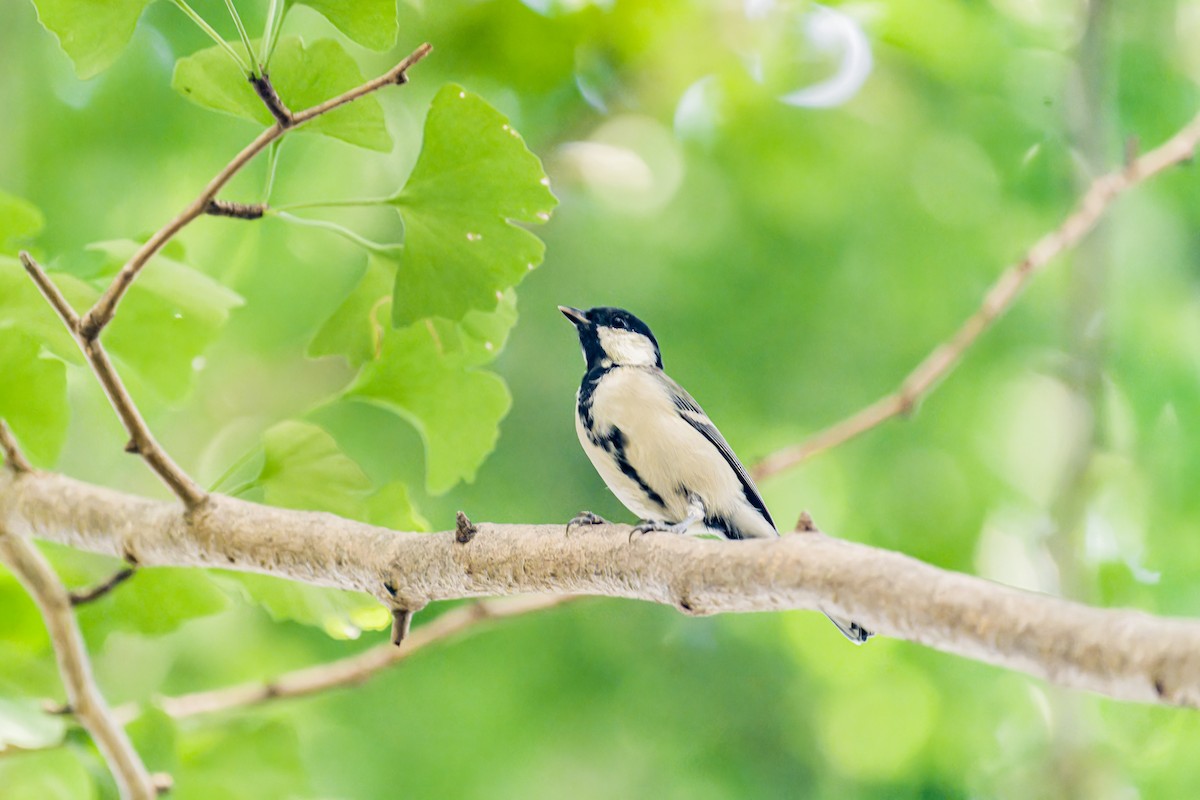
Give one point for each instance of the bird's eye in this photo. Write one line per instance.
(619, 322)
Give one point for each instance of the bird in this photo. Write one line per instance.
(653, 445)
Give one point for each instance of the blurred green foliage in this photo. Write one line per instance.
(795, 262)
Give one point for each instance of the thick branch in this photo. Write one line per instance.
(141, 441)
(1128, 655)
(349, 671)
(945, 357)
(102, 312)
(35, 574)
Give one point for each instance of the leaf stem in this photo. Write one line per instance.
(271, 35)
(257, 68)
(216, 37)
(272, 163)
(344, 232)
(356, 202)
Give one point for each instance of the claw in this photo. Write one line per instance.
(585, 518)
(647, 525)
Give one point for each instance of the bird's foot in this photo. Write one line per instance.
(647, 525)
(585, 518)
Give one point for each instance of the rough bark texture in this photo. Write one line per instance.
(1125, 654)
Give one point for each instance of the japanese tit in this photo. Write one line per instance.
(654, 446)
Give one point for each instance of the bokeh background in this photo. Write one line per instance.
(801, 200)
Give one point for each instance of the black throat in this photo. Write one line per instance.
(593, 353)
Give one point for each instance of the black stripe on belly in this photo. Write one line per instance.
(614, 443)
(726, 528)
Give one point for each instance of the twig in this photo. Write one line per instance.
(1125, 654)
(271, 99)
(1099, 196)
(401, 623)
(14, 459)
(227, 208)
(141, 441)
(102, 312)
(81, 596)
(464, 531)
(89, 707)
(352, 670)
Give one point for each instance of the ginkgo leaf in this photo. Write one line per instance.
(167, 320)
(91, 32)
(371, 23)
(19, 220)
(301, 466)
(436, 386)
(33, 395)
(303, 75)
(473, 179)
(356, 327)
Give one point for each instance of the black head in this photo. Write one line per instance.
(614, 337)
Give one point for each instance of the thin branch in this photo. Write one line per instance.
(350, 671)
(1128, 655)
(1179, 149)
(82, 596)
(88, 705)
(102, 312)
(14, 459)
(141, 441)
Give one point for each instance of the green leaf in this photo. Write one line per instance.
(391, 507)
(473, 179)
(427, 374)
(305, 469)
(169, 317)
(242, 760)
(153, 602)
(91, 32)
(154, 737)
(371, 23)
(23, 723)
(19, 220)
(33, 395)
(356, 327)
(304, 76)
(338, 612)
(301, 466)
(45, 775)
(23, 307)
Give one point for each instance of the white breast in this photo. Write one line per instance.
(668, 454)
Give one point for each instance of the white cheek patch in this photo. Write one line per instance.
(628, 348)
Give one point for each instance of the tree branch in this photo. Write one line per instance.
(349, 671)
(102, 312)
(141, 441)
(88, 705)
(14, 459)
(945, 357)
(1127, 655)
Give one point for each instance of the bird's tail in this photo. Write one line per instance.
(851, 630)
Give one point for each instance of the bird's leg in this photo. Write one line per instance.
(585, 518)
(695, 514)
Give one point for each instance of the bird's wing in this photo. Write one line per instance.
(691, 413)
